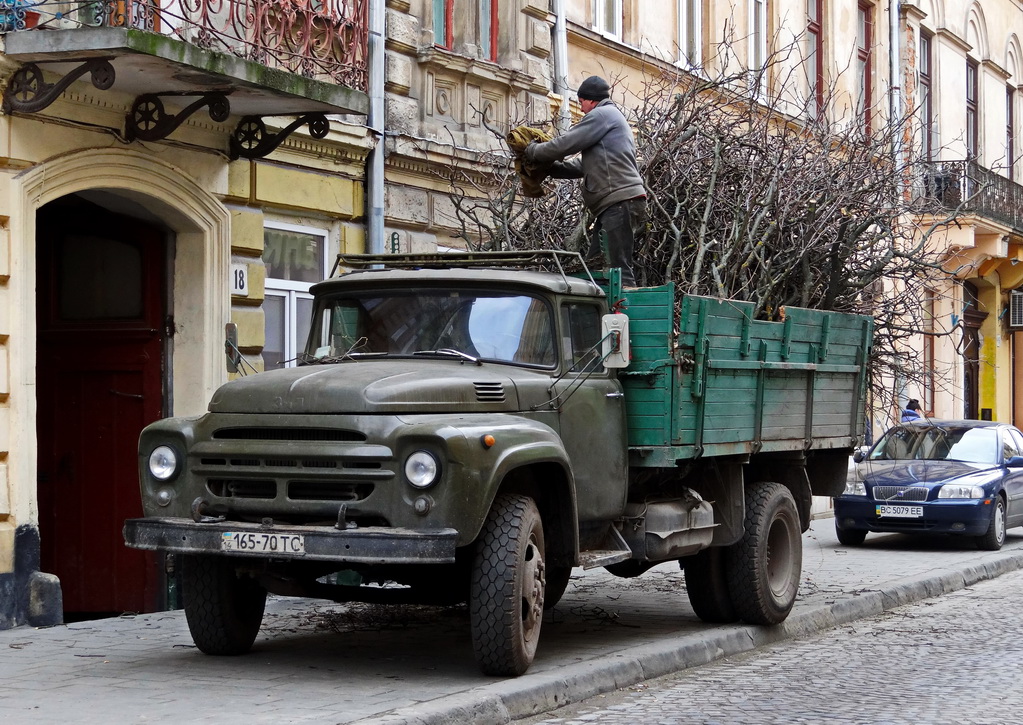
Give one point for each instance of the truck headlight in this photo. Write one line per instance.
(421, 469)
(955, 490)
(163, 463)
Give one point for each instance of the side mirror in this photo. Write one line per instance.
(860, 454)
(1015, 462)
(234, 355)
(614, 345)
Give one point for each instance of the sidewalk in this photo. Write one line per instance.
(316, 662)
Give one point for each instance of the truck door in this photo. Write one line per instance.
(592, 419)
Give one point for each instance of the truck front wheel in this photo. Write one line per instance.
(507, 588)
(707, 586)
(223, 610)
(765, 565)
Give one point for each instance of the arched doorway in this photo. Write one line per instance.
(102, 331)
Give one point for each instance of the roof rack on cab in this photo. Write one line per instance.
(550, 260)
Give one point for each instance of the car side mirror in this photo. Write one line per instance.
(860, 455)
(1015, 462)
(614, 346)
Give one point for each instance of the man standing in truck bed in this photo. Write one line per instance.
(612, 185)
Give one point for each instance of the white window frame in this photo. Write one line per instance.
(685, 21)
(599, 11)
(291, 291)
(758, 38)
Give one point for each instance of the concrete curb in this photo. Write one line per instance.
(533, 694)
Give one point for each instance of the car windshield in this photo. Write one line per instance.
(971, 445)
(513, 328)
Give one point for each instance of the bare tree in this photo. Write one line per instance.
(756, 197)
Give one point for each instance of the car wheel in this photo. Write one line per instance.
(223, 610)
(764, 566)
(995, 536)
(707, 586)
(850, 537)
(507, 590)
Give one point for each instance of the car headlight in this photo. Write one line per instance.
(854, 488)
(163, 463)
(955, 490)
(421, 469)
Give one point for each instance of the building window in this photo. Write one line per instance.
(972, 110)
(865, 63)
(608, 16)
(690, 33)
(926, 97)
(1010, 132)
(487, 29)
(443, 34)
(815, 55)
(295, 259)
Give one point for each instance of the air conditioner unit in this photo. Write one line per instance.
(1016, 308)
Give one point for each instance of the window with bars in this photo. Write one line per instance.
(815, 56)
(295, 258)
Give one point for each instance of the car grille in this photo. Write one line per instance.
(900, 493)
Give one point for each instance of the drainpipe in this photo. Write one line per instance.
(561, 64)
(375, 165)
(895, 69)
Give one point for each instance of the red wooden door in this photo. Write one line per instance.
(100, 323)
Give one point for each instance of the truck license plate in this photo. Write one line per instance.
(262, 543)
(900, 511)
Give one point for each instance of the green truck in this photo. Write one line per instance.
(468, 428)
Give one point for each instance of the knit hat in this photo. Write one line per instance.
(594, 88)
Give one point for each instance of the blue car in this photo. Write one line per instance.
(962, 477)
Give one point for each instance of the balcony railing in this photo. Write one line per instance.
(952, 184)
(325, 40)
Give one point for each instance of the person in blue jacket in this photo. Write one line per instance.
(612, 185)
(912, 411)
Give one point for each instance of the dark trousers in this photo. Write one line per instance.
(624, 224)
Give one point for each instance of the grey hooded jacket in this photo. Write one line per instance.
(608, 157)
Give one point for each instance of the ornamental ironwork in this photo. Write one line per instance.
(325, 40)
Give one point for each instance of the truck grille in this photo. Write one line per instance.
(900, 493)
(268, 490)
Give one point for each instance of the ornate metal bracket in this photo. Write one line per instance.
(149, 120)
(28, 92)
(251, 140)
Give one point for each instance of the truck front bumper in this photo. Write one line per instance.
(368, 545)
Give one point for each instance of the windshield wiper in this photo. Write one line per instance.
(450, 352)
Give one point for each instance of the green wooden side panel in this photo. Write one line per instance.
(715, 381)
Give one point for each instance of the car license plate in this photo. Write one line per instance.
(254, 543)
(900, 511)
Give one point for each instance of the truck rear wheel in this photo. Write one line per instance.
(223, 610)
(765, 565)
(507, 590)
(707, 586)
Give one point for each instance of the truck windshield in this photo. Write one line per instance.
(487, 325)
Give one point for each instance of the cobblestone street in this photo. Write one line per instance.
(951, 660)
